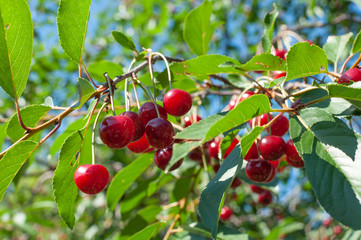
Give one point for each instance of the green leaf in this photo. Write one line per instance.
(336, 46)
(305, 60)
(198, 28)
(351, 235)
(211, 197)
(2, 134)
(356, 46)
(284, 227)
(30, 116)
(351, 92)
(12, 161)
(248, 140)
(75, 151)
(125, 178)
(72, 24)
(332, 155)
(147, 232)
(16, 46)
(86, 90)
(124, 40)
(265, 62)
(97, 70)
(269, 22)
(180, 150)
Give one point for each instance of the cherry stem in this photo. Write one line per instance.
(89, 77)
(136, 94)
(110, 92)
(151, 69)
(19, 117)
(94, 127)
(168, 69)
(126, 91)
(357, 62)
(58, 124)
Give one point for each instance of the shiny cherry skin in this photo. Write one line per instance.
(265, 198)
(177, 102)
(259, 170)
(272, 147)
(261, 120)
(159, 133)
(139, 146)
(291, 151)
(162, 158)
(280, 126)
(226, 213)
(91, 178)
(117, 131)
(139, 126)
(190, 120)
(213, 149)
(353, 74)
(281, 53)
(273, 174)
(257, 189)
(233, 102)
(252, 153)
(230, 148)
(147, 112)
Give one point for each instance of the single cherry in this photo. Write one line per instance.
(226, 213)
(159, 133)
(261, 120)
(353, 74)
(230, 148)
(233, 102)
(327, 222)
(117, 131)
(280, 126)
(291, 151)
(139, 127)
(272, 147)
(163, 156)
(139, 146)
(259, 170)
(147, 112)
(190, 120)
(91, 178)
(257, 189)
(252, 152)
(265, 198)
(337, 229)
(213, 149)
(281, 53)
(177, 102)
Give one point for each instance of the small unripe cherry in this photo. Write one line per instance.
(177, 102)
(226, 213)
(159, 133)
(353, 74)
(91, 178)
(259, 170)
(265, 198)
(139, 146)
(272, 147)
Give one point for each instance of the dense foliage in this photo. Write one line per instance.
(274, 81)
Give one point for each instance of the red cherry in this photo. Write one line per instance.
(283, 74)
(163, 156)
(233, 102)
(265, 198)
(117, 131)
(177, 102)
(236, 183)
(337, 230)
(280, 126)
(281, 53)
(327, 222)
(213, 149)
(230, 148)
(252, 152)
(139, 127)
(91, 178)
(139, 146)
(353, 74)
(296, 164)
(261, 120)
(276, 163)
(273, 174)
(159, 133)
(257, 189)
(272, 147)
(226, 213)
(259, 170)
(291, 151)
(147, 112)
(190, 120)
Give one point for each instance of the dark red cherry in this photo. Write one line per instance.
(273, 174)
(280, 126)
(296, 164)
(291, 151)
(233, 102)
(236, 183)
(257, 189)
(353, 74)
(117, 131)
(213, 149)
(252, 152)
(147, 112)
(281, 53)
(272, 147)
(265, 198)
(159, 133)
(190, 120)
(139, 146)
(230, 148)
(162, 158)
(226, 213)
(177, 102)
(91, 178)
(139, 127)
(259, 170)
(261, 120)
